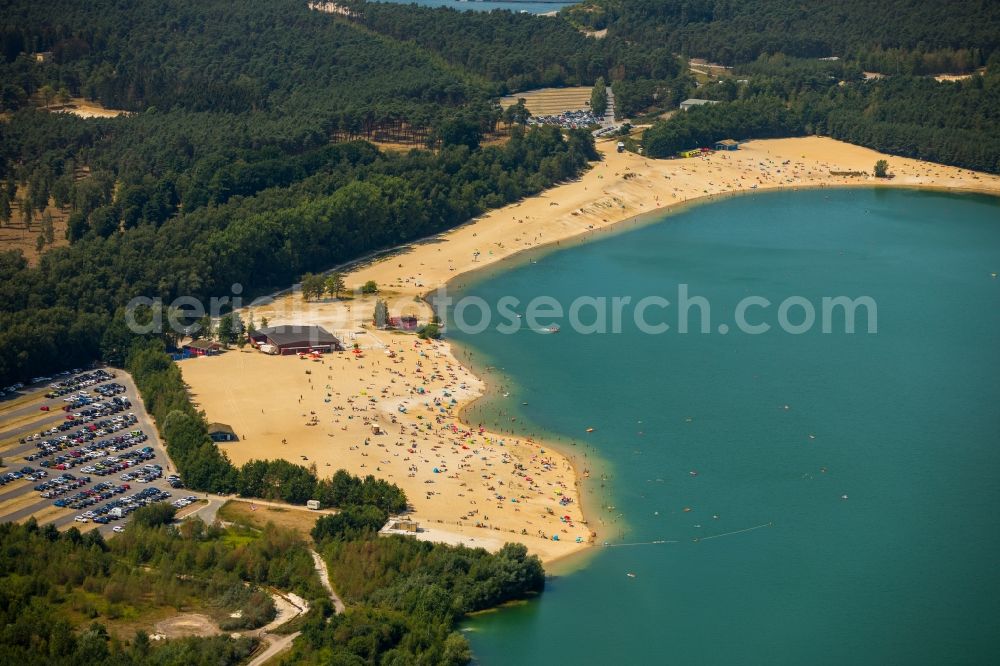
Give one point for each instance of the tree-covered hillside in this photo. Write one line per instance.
(951, 122)
(230, 170)
(733, 31)
(257, 55)
(516, 51)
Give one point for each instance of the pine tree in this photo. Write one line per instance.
(599, 97)
(335, 284)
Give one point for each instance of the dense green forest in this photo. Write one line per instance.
(353, 200)
(259, 55)
(205, 187)
(516, 51)
(231, 170)
(953, 122)
(62, 595)
(246, 160)
(930, 37)
(60, 592)
(775, 48)
(196, 191)
(404, 596)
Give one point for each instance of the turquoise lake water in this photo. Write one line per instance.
(481, 6)
(778, 428)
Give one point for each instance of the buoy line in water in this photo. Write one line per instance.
(639, 543)
(748, 529)
(695, 539)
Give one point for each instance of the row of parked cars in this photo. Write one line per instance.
(78, 420)
(121, 507)
(568, 119)
(74, 457)
(83, 398)
(110, 465)
(86, 498)
(87, 433)
(184, 501)
(59, 486)
(115, 464)
(77, 381)
(13, 388)
(78, 378)
(108, 390)
(24, 473)
(98, 410)
(147, 474)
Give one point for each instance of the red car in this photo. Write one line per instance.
(44, 408)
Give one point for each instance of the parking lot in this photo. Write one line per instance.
(79, 449)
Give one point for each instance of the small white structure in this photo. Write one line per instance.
(313, 504)
(689, 104)
(401, 526)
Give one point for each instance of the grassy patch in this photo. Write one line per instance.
(240, 513)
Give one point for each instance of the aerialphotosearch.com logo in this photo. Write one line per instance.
(655, 315)
(683, 313)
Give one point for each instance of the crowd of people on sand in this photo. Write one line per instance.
(409, 416)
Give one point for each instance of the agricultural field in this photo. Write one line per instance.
(552, 101)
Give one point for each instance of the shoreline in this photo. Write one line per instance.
(597, 468)
(639, 191)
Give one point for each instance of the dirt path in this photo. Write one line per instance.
(324, 576)
(289, 607)
(278, 644)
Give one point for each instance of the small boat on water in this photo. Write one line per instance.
(630, 574)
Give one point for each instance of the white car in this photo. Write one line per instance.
(118, 528)
(81, 519)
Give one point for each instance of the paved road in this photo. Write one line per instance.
(16, 489)
(44, 421)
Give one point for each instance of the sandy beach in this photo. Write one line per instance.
(466, 484)
(88, 109)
